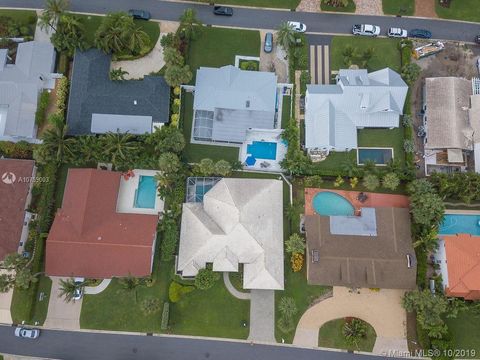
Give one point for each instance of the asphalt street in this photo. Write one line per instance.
(70, 345)
(328, 23)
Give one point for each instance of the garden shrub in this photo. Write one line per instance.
(249, 65)
(62, 94)
(43, 101)
(206, 278)
(297, 262)
(19, 150)
(165, 316)
(150, 306)
(169, 240)
(176, 291)
(177, 91)
(63, 64)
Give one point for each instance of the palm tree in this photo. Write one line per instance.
(130, 284)
(68, 288)
(286, 35)
(114, 32)
(52, 12)
(87, 148)
(190, 26)
(118, 147)
(138, 40)
(118, 74)
(55, 144)
(69, 35)
(287, 307)
(350, 168)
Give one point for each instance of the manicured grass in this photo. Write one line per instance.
(283, 4)
(349, 8)
(40, 308)
(465, 329)
(398, 7)
(236, 280)
(217, 47)
(386, 53)
(196, 152)
(331, 336)
(467, 10)
(24, 17)
(384, 138)
(286, 108)
(332, 165)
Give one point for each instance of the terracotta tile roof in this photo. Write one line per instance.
(89, 238)
(13, 199)
(463, 264)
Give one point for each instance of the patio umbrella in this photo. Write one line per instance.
(250, 161)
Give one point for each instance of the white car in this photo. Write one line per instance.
(27, 333)
(366, 30)
(397, 33)
(78, 293)
(297, 26)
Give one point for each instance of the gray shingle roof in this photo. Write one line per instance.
(92, 91)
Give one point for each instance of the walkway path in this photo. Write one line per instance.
(425, 8)
(381, 309)
(42, 35)
(368, 7)
(320, 64)
(5, 303)
(262, 316)
(231, 289)
(94, 290)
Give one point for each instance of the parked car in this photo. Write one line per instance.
(297, 26)
(420, 33)
(223, 10)
(477, 39)
(397, 33)
(139, 14)
(26, 333)
(78, 293)
(366, 30)
(268, 45)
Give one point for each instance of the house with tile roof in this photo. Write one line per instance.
(91, 238)
(21, 82)
(239, 221)
(229, 101)
(334, 113)
(98, 105)
(15, 193)
(459, 259)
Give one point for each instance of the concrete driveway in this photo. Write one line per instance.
(62, 315)
(381, 309)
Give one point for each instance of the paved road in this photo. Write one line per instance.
(267, 19)
(99, 346)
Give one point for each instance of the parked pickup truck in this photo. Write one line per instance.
(366, 30)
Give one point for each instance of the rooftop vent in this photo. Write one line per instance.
(247, 104)
(134, 102)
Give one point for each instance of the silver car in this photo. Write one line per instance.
(268, 45)
(26, 333)
(397, 33)
(297, 26)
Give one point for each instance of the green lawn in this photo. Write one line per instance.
(196, 152)
(40, 308)
(384, 138)
(467, 10)
(286, 108)
(398, 7)
(465, 330)
(283, 4)
(331, 336)
(349, 8)
(332, 165)
(386, 53)
(217, 47)
(23, 17)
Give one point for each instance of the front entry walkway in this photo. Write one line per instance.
(62, 315)
(382, 309)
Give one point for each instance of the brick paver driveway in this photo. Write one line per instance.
(62, 315)
(381, 309)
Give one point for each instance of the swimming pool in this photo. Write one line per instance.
(381, 156)
(263, 150)
(146, 192)
(460, 224)
(327, 203)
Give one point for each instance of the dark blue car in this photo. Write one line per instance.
(420, 33)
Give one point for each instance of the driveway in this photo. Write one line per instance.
(381, 309)
(5, 301)
(62, 315)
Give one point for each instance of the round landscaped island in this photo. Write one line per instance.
(328, 203)
(347, 334)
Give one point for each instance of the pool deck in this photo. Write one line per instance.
(126, 195)
(259, 135)
(374, 200)
(462, 212)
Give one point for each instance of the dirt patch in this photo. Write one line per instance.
(456, 60)
(425, 8)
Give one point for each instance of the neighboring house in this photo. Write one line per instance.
(373, 250)
(90, 238)
(20, 85)
(359, 99)
(240, 221)
(449, 135)
(229, 101)
(15, 194)
(98, 105)
(459, 259)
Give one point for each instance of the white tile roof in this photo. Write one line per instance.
(239, 221)
(334, 112)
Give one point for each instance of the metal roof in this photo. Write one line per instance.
(133, 124)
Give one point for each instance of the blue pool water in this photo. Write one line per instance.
(327, 203)
(146, 192)
(379, 156)
(460, 224)
(263, 150)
